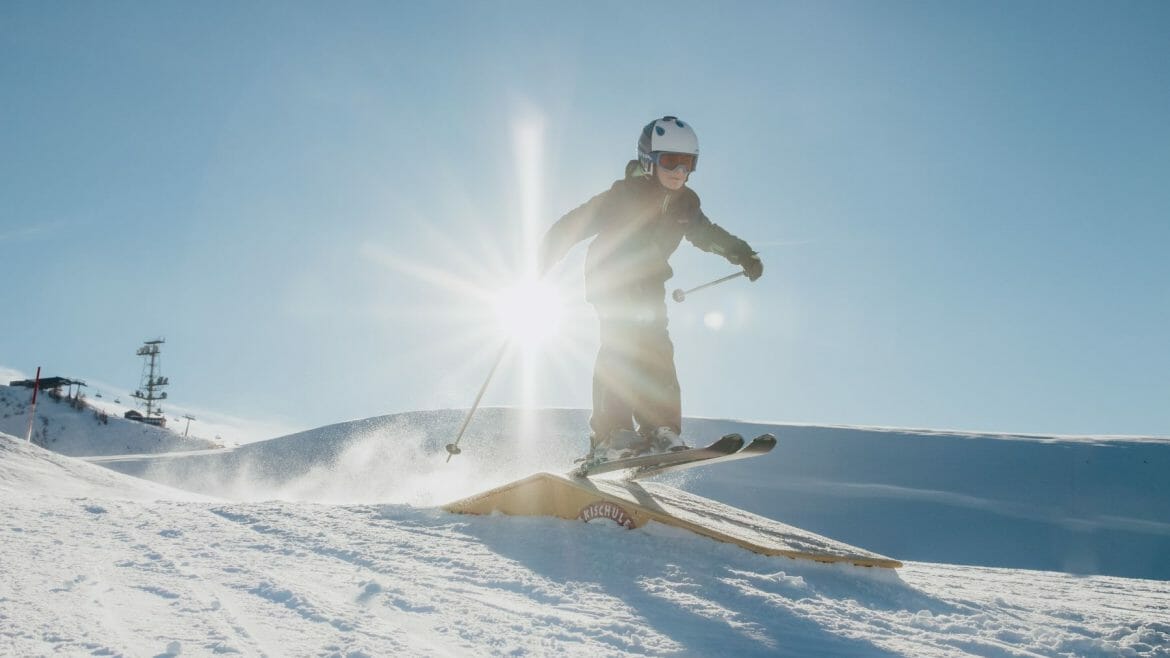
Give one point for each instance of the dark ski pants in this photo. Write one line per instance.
(635, 385)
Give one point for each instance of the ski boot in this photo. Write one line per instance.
(665, 439)
(620, 444)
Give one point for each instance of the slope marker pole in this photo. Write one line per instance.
(32, 414)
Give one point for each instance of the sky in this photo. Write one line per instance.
(962, 207)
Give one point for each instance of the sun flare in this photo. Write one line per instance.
(529, 312)
(488, 307)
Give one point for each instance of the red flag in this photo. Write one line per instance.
(32, 414)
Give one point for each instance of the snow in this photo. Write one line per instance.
(26, 471)
(329, 542)
(1086, 505)
(79, 429)
(205, 427)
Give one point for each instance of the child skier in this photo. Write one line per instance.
(636, 225)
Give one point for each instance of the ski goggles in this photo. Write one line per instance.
(671, 161)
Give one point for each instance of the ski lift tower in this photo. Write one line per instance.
(152, 381)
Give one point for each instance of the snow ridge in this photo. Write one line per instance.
(327, 543)
(1081, 506)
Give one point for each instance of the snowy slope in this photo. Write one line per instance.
(69, 430)
(27, 470)
(96, 569)
(1086, 505)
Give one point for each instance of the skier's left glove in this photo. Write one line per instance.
(752, 266)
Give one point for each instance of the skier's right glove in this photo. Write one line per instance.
(752, 266)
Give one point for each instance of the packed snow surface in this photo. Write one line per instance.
(330, 543)
(1086, 505)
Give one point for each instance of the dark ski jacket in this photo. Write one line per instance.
(638, 224)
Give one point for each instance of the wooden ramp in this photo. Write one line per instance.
(635, 504)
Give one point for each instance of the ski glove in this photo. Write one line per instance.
(752, 266)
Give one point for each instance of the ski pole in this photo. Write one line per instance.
(680, 295)
(453, 448)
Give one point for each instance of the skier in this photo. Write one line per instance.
(636, 225)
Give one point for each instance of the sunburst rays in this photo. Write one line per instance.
(484, 292)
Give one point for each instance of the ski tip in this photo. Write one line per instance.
(732, 442)
(764, 442)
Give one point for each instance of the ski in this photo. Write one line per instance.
(761, 445)
(726, 446)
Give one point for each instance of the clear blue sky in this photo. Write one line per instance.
(963, 207)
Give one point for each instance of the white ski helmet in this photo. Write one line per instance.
(666, 135)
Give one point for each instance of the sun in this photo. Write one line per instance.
(489, 315)
(529, 312)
